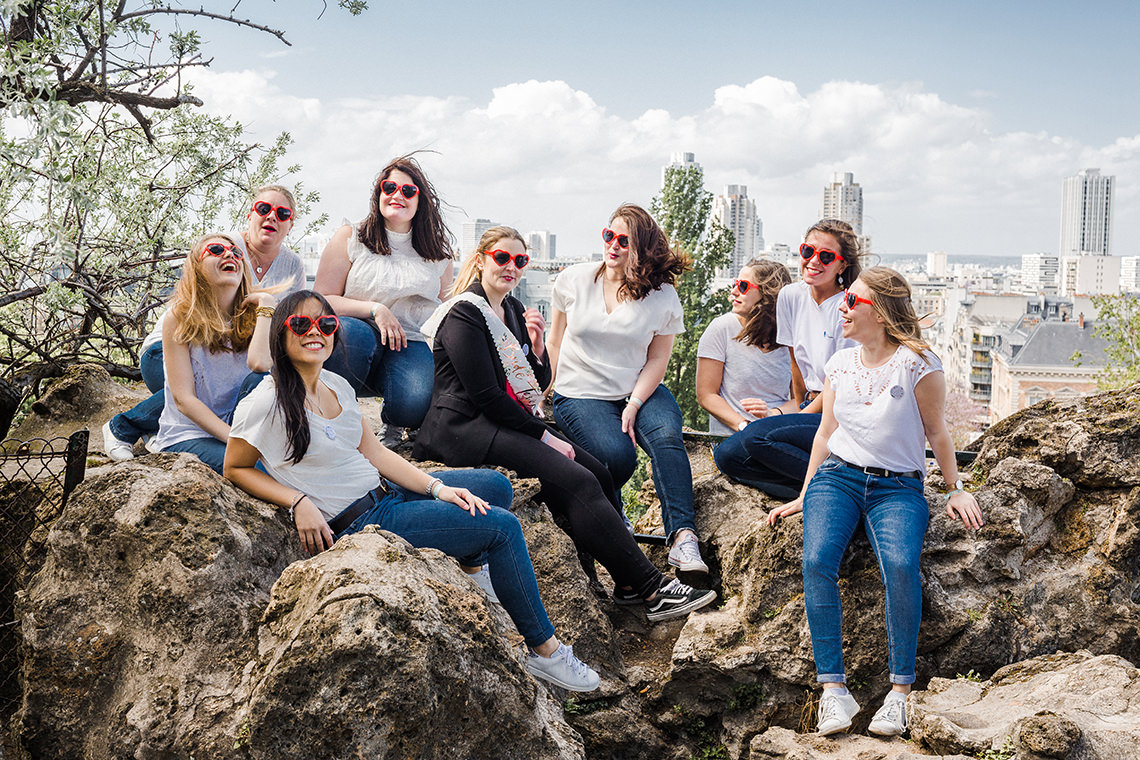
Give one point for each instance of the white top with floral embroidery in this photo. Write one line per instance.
(879, 422)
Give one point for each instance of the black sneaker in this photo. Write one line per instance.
(626, 597)
(675, 600)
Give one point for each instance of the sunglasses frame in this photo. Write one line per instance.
(275, 210)
(819, 252)
(313, 323)
(509, 257)
(747, 285)
(399, 187)
(238, 253)
(851, 299)
(615, 236)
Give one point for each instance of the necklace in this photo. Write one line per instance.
(311, 401)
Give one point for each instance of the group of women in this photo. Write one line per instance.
(825, 386)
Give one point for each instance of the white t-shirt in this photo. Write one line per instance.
(603, 353)
(748, 371)
(814, 331)
(403, 281)
(333, 473)
(879, 422)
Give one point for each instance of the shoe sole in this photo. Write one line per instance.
(835, 730)
(685, 609)
(888, 732)
(689, 567)
(543, 676)
(628, 601)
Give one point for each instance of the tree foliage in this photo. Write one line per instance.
(682, 209)
(109, 177)
(1118, 323)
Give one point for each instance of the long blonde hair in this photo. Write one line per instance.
(469, 272)
(890, 293)
(198, 317)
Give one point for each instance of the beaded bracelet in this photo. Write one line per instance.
(431, 486)
(265, 311)
(436, 487)
(636, 401)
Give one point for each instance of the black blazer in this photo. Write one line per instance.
(469, 400)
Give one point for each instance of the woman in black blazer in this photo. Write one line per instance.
(490, 374)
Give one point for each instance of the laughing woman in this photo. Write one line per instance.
(323, 462)
(880, 401)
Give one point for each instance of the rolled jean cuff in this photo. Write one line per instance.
(902, 680)
(832, 678)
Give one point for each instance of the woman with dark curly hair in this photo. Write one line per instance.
(742, 373)
(385, 276)
(611, 334)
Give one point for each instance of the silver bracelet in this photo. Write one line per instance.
(432, 484)
(436, 487)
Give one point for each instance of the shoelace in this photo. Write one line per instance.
(689, 551)
(891, 712)
(675, 587)
(577, 667)
(829, 708)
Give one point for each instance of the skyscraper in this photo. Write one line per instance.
(542, 244)
(736, 211)
(472, 231)
(1039, 273)
(843, 199)
(1086, 214)
(679, 161)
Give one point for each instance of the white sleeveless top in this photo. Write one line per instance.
(217, 378)
(403, 281)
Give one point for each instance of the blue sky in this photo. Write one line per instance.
(959, 119)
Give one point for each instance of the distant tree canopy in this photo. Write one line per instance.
(1118, 322)
(682, 209)
(108, 176)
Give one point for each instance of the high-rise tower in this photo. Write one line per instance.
(1086, 214)
(736, 211)
(843, 199)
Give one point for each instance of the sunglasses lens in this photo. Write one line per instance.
(284, 214)
(501, 258)
(261, 208)
(215, 249)
(388, 187)
(806, 251)
(300, 325)
(826, 257)
(608, 236)
(522, 260)
(327, 324)
(409, 191)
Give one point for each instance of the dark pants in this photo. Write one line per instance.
(771, 454)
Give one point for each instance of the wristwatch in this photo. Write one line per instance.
(743, 424)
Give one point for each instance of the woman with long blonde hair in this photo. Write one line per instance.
(881, 400)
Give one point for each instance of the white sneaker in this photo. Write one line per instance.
(117, 449)
(890, 720)
(686, 555)
(483, 580)
(149, 441)
(836, 712)
(563, 669)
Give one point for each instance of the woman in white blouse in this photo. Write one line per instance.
(384, 277)
(880, 400)
(611, 334)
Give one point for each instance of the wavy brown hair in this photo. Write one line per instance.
(198, 317)
(652, 261)
(430, 236)
(760, 326)
(890, 293)
(848, 247)
(469, 272)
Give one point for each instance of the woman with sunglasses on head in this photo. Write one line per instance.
(273, 265)
(880, 400)
(214, 334)
(742, 373)
(772, 453)
(387, 275)
(325, 464)
(491, 366)
(611, 336)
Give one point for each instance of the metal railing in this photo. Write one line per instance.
(36, 478)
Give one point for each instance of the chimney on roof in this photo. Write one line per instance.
(1081, 320)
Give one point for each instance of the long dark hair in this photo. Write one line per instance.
(290, 387)
(652, 261)
(430, 237)
(848, 246)
(760, 326)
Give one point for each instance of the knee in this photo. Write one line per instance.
(729, 455)
(505, 523)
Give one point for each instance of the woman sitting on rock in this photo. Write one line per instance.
(273, 266)
(490, 369)
(214, 334)
(881, 399)
(772, 453)
(743, 374)
(385, 276)
(325, 464)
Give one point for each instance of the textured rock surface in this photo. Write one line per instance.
(1062, 706)
(84, 397)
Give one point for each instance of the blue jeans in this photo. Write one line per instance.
(771, 454)
(595, 425)
(210, 450)
(142, 418)
(894, 514)
(403, 378)
(497, 535)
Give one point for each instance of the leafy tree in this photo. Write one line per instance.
(682, 209)
(109, 177)
(1118, 323)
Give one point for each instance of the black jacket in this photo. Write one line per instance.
(469, 401)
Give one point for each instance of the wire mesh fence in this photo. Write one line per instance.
(36, 477)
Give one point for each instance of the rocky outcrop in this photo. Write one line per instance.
(85, 397)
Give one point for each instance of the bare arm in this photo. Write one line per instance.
(799, 388)
(710, 373)
(180, 378)
(930, 393)
(259, 358)
(445, 280)
(819, 451)
(656, 362)
(332, 275)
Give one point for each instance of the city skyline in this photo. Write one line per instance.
(956, 136)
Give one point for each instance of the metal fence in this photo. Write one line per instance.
(36, 477)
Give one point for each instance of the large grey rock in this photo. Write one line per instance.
(1076, 706)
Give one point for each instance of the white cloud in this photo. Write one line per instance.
(542, 155)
